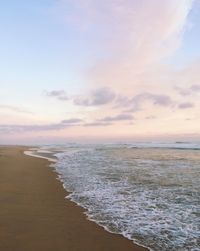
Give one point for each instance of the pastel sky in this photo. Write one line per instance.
(99, 70)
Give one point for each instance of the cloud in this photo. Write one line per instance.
(120, 117)
(14, 128)
(186, 105)
(133, 36)
(97, 97)
(150, 117)
(195, 88)
(96, 124)
(183, 91)
(145, 27)
(71, 121)
(14, 109)
(157, 99)
(58, 94)
(134, 104)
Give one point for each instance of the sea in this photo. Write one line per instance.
(147, 192)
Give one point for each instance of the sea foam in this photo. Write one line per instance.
(150, 195)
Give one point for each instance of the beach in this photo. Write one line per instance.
(35, 215)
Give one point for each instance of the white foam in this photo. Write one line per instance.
(153, 200)
(35, 154)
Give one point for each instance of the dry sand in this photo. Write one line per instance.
(34, 216)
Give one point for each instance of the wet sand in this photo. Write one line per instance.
(35, 216)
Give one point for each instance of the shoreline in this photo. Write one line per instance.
(50, 156)
(35, 214)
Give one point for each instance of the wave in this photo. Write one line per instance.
(148, 195)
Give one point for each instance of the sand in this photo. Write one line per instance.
(35, 216)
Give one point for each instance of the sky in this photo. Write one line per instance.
(99, 71)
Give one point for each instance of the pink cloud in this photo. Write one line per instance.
(135, 32)
(134, 37)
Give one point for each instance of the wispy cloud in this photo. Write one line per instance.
(71, 121)
(150, 117)
(15, 128)
(134, 36)
(15, 109)
(134, 104)
(119, 117)
(97, 124)
(148, 28)
(97, 97)
(67, 123)
(193, 89)
(58, 94)
(186, 105)
(157, 99)
(183, 91)
(104, 96)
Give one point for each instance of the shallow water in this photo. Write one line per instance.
(149, 194)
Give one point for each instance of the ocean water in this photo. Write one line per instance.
(149, 193)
